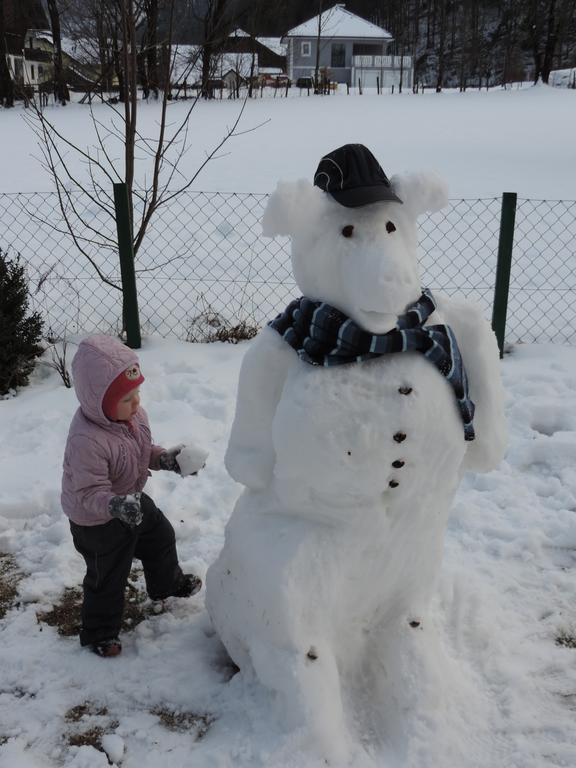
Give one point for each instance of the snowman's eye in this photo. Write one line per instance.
(390, 227)
(347, 230)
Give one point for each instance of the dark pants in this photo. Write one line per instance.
(108, 551)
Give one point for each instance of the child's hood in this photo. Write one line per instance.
(98, 361)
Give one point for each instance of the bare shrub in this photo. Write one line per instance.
(209, 326)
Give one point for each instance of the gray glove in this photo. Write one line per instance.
(168, 461)
(126, 508)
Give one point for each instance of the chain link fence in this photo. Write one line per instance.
(204, 263)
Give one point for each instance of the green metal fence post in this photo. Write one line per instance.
(501, 288)
(126, 253)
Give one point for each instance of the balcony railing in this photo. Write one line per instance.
(382, 62)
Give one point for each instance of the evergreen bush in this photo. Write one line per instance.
(20, 335)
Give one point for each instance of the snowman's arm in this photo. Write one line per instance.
(481, 358)
(250, 456)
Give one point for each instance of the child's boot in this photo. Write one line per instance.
(187, 585)
(107, 648)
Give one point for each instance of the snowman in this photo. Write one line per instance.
(359, 409)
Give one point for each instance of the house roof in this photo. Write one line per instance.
(338, 22)
(275, 44)
(35, 54)
(239, 42)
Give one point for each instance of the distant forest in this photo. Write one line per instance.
(454, 42)
(458, 42)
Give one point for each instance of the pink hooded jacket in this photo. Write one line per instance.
(103, 458)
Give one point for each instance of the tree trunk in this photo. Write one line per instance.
(102, 53)
(152, 45)
(415, 40)
(207, 53)
(551, 42)
(130, 69)
(6, 83)
(534, 25)
(61, 92)
(251, 81)
(143, 71)
(318, 38)
(441, 46)
(118, 67)
(216, 26)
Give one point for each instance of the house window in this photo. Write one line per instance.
(338, 55)
(40, 71)
(32, 71)
(366, 49)
(305, 49)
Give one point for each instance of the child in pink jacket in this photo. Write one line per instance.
(108, 456)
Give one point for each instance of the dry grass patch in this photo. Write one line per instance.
(566, 638)
(90, 738)
(10, 577)
(89, 723)
(184, 721)
(88, 709)
(210, 326)
(65, 615)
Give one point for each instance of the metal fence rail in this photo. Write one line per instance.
(205, 262)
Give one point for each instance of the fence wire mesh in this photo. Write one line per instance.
(541, 305)
(204, 263)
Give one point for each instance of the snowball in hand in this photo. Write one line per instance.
(191, 459)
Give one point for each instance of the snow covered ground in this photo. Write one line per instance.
(483, 143)
(506, 595)
(504, 610)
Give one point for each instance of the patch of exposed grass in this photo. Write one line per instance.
(18, 693)
(88, 709)
(90, 738)
(232, 334)
(184, 721)
(88, 723)
(10, 576)
(65, 615)
(566, 638)
(210, 326)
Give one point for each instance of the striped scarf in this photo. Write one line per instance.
(322, 335)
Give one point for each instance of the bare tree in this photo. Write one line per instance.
(318, 38)
(61, 92)
(324, 17)
(443, 12)
(217, 24)
(6, 83)
(151, 47)
(160, 155)
(557, 15)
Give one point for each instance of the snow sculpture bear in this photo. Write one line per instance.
(333, 549)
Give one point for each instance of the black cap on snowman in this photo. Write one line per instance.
(353, 176)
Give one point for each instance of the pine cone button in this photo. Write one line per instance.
(405, 390)
(397, 464)
(393, 483)
(399, 437)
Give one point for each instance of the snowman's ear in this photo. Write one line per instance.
(421, 192)
(291, 205)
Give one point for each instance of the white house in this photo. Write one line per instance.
(563, 78)
(352, 51)
(28, 65)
